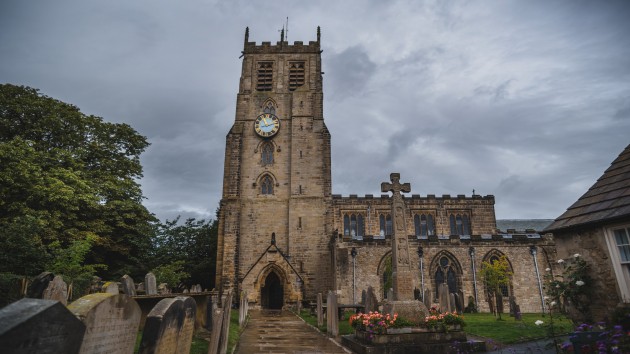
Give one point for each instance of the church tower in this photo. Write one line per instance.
(274, 225)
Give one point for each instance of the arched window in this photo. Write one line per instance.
(446, 271)
(416, 224)
(505, 291)
(430, 226)
(460, 224)
(388, 225)
(353, 225)
(466, 225)
(267, 153)
(381, 220)
(266, 185)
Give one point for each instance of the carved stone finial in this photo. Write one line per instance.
(319, 34)
(282, 35)
(246, 35)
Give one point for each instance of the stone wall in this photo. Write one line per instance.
(371, 256)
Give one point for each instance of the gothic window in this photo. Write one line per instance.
(296, 75)
(385, 222)
(423, 224)
(267, 153)
(265, 76)
(353, 225)
(504, 288)
(269, 108)
(266, 185)
(460, 225)
(445, 273)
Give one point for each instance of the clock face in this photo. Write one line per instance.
(266, 125)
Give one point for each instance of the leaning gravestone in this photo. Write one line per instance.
(111, 322)
(169, 326)
(39, 284)
(371, 302)
(128, 286)
(443, 297)
(150, 284)
(57, 290)
(39, 326)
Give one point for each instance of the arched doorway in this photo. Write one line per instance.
(272, 293)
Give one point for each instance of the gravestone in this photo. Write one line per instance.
(443, 297)
(111, 322)
(452, 300)
(390, 294)
(225, 323)
(403, 275)
(371, 302)
(517, 315)
(215, 335)
(57, 290)
(499, 303)
(169, 326)
(427, 298)
(128, 286)
(150, 286)
(512, 303)
(39, 326)
(320, 314)
(111, 287)
(39, 284)
(163, 289)
(332, 326)
(242, 309)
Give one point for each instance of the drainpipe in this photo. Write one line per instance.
(353, 253)
(471, 251)
(533, 251)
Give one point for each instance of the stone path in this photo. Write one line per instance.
(283, 332)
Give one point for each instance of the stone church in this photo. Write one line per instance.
(284, 237)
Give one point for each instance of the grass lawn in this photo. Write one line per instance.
(506, 331)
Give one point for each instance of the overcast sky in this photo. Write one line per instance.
(525, 100)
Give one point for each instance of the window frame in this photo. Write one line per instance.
(622, 276)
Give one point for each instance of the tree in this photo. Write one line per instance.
(67, 177)
(194, 243)
(495, 273)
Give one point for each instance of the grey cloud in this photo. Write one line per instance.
(348, 72)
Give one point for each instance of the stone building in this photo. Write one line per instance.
(283, 235)
(597, 226)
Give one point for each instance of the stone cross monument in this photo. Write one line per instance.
(402, 276)
(401, 269)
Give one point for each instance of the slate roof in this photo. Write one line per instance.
(523, 224)
(607, 200)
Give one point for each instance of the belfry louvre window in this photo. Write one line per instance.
(296, 75)
(265, 76)
(460, 224)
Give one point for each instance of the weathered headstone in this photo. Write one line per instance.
(225, 323)
(111, 287)
(427, 298)
(169, 326)
(242, 309)
(150, 285)
(371, 302)
(128, 286)
(443, 297)
(163, 289)
(39, 284)
(332, 326)
(215, 335)
(39, 326)
(499, 303)
(517, 315)
(57, 290)
(452, 300)
(320, 314)
(390, 294)
(111, 322)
